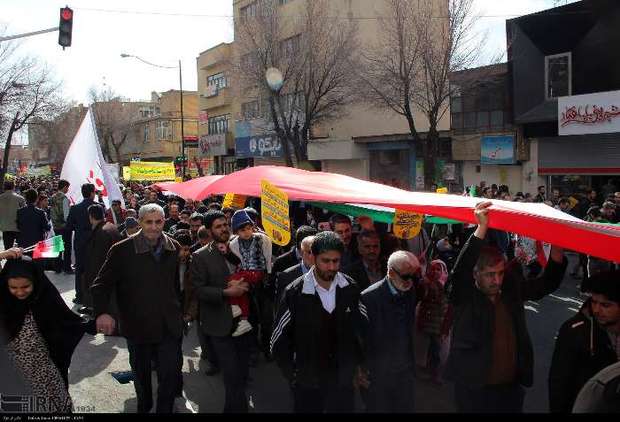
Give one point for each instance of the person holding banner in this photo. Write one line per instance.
(491, 357)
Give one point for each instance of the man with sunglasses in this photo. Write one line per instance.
(387, 310)
(491, 356)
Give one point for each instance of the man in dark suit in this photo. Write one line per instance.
(342, 226)
(211, 267)
(32, 222)
(289, 275)
(371, 267)
(144, 271)
(78, 222)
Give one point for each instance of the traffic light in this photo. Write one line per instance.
(65, 27)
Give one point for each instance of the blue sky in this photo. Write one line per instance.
(100, 37)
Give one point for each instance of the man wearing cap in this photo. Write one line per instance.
(586, 343)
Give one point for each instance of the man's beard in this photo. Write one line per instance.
(325, 275)
(222, 237)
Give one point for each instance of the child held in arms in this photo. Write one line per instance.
(254, 250)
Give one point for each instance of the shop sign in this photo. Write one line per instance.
(497, 150)
(258, 146)
(589, 114)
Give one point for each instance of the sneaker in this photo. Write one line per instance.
(243, 327)
(236, 311)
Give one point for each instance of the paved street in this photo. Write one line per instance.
(94, 389)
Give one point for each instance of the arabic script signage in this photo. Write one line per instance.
(258, 146)
(589, 114)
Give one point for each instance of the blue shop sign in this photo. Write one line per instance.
(497, 150)
(258, 146)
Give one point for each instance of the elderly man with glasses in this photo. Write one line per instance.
(387, 310)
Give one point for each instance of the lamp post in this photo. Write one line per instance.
(123, 55)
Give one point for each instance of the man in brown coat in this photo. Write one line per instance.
(144, 270)
(103, 237)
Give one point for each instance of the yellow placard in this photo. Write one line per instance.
(234, 201)
(126, 172)
(152, 172)
(178, 180)
(407, 224)
(274, 213)
(442, 190)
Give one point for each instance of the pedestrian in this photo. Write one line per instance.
(132, 226)
(212, 266)
(314, 340)
(254, 252)
(10, 202)
(144, 271)
(104, 235)
(32, 222)
(370, 267)
(42, 333)
(387, 309)
(491, 356)
(342, 226)
(291, 274)
(587, 342)
(78, 222)
(59, 213)
(116, 214)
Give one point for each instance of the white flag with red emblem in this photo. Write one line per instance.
(84, 163)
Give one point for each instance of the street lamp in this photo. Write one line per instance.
(124, 56)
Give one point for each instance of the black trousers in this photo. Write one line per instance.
(233, 354)
(167, 354)
(63, 262)
(392, 393)
(505, 398)
(8, 238)
(329, 398)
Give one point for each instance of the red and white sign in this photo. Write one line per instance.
(589, 114)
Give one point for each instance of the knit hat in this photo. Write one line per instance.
(239, 219)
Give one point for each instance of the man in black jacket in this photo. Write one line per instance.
(387, 325)
(491, 356)
(586, 343)
(32, 222)
(371, 266)
(291, 274)
(143, 273)
(78, 222)
(314, 338)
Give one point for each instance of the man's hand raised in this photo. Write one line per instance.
(481, 212)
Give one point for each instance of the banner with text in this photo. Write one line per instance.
(407, 224)
(152, 172)
(589, 113)
(234, 201)
(274, 213)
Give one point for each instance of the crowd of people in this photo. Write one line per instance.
(346, 307)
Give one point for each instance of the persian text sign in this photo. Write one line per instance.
(152, 172)
(258, 146)
(274, 213)
(589, 114)
(407, 224)
(233, 201)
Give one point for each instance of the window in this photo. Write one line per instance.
(164, 130)
(558, 75)
(218, 80)
(146, 133)
(482, 119)
(250, 110)
(290, 46)
(218, 124)
(151, 111)
(249, 11)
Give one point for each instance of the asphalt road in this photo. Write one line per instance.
(93, 388)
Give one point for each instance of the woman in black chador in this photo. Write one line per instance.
(40, 333)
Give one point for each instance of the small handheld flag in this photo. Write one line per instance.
(49, 248)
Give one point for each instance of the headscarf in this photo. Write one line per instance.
(61, 329)
(443, 277)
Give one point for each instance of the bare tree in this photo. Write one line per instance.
(315, 53)
(28, 92)
(114, 119)
(422, 43)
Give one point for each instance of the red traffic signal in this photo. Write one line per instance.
(65, 27)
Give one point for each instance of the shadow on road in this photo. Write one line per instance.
(83, 360)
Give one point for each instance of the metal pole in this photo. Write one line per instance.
(182, 122)
(28, 34)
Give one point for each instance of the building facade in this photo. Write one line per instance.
(566, 83)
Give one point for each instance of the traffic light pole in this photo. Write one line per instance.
(28, 34)
(184, 163)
